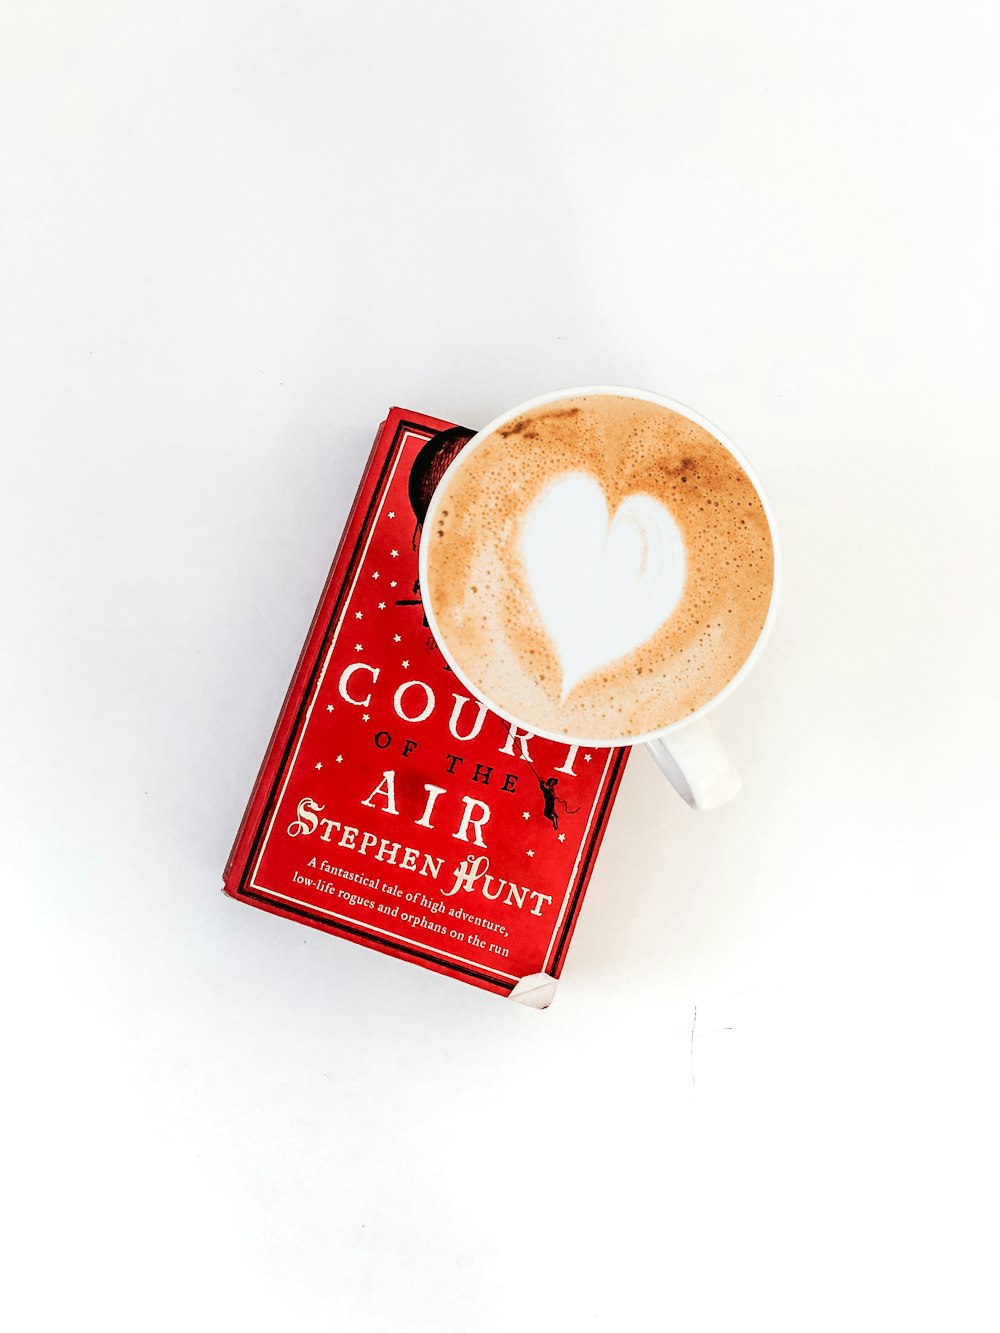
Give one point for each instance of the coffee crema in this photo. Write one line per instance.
(599, 567)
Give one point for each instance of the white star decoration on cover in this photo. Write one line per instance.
(529, 853)
(318, 767)
(526, 815)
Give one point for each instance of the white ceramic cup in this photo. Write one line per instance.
(688, 752)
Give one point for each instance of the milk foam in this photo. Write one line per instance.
(599, 567)
(602, 585)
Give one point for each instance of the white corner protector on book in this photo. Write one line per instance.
(538, 990)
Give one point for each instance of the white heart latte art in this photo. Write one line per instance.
(602, 586)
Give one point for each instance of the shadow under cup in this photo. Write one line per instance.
(599, 566)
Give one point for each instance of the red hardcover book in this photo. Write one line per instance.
(391, 807)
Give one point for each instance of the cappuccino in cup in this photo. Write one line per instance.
(598, 567)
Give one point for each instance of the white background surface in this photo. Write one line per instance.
(233, 234)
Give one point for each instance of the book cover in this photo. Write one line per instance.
(392, 808)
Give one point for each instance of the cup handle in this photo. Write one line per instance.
(695, 761)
